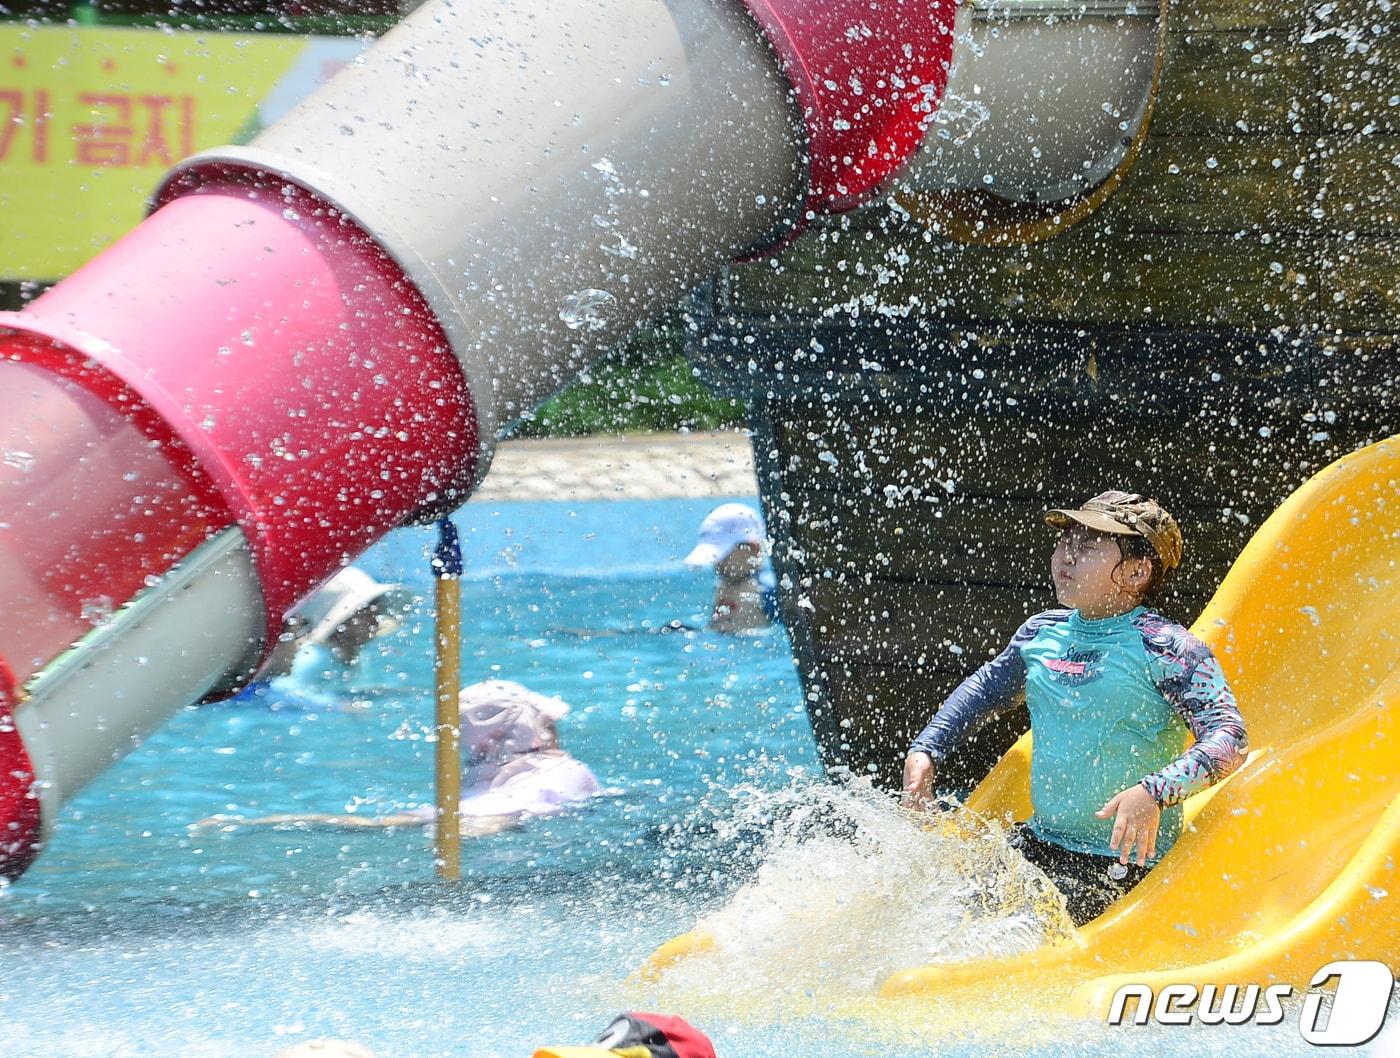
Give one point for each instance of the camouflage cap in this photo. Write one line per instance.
(1127, 514)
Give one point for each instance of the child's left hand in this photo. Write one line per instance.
(1138, 817)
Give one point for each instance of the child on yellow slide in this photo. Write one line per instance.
(1112, 688)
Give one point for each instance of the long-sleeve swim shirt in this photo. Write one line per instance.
(1111, 702)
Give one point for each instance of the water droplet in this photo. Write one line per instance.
(96, 610)
(20, 460)
(623, 249)
(583, 309)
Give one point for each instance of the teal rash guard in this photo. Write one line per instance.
(1111, 702)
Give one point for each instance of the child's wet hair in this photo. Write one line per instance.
(1139, 547)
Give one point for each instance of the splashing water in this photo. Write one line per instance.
(20, 460)
(97, 609)
(583, 309)
(958, 118)
(623, 248)
(849, 890)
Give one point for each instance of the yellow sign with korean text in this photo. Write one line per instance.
(91, 117)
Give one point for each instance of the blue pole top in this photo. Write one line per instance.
(447, 558)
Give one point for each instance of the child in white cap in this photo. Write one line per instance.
(732, 543)
(324, 637)
(351, 610)
(513, 767)
(512, 763)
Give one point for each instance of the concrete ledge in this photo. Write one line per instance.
(626, 467)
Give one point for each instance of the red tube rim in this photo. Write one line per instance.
(868, 78)
(19, 802)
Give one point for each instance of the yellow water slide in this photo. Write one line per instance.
(1294, 862)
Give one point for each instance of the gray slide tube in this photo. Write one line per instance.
(1044, 97)
(169, 646)
(549, 174)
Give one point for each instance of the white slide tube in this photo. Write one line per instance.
(548, 175)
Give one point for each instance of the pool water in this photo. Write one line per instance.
(136, 935)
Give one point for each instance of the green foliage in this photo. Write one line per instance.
(648, 385)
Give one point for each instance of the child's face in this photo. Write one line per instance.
(1092, 576)
(742, 562)
(355, 634)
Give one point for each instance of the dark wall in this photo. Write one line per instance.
(1216, 332)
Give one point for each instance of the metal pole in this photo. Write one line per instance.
(447, 569)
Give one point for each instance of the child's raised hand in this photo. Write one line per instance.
(1137, 816)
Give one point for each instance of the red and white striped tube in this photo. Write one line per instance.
(262, 364)
(315, 338)
(282, 355)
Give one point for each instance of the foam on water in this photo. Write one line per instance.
(849, 889)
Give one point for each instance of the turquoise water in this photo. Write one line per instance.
(134, 935)
(140, 937)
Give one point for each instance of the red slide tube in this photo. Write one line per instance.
(253, 331)
(868, 76)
